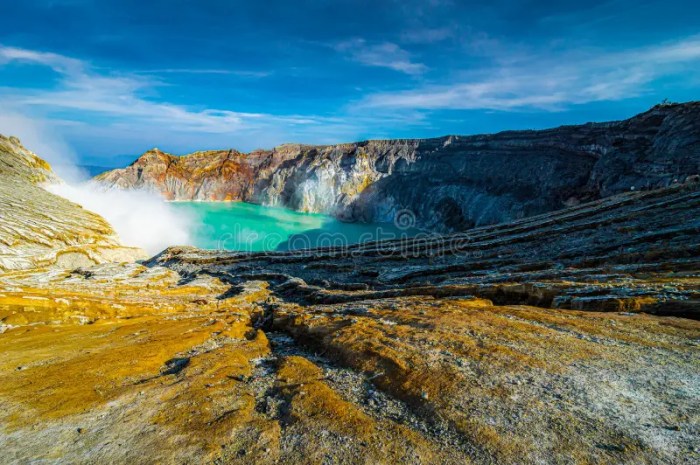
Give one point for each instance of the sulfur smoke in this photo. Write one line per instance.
(141, 219)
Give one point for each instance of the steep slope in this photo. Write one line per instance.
(449, 183)
(38, 228)
(464, 349)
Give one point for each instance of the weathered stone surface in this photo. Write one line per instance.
(637, 251)
(38, 228)
(123, 364)
(569, 337)
(470, 348)
(449, 183)
(19, 163)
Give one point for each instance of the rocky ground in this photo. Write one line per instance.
(571, 337)
(632, 252)
(129, 364)
(538, 349)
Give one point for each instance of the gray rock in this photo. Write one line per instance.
(444, 184)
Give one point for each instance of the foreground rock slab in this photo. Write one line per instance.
(129, 364)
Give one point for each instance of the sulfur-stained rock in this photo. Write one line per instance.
(125, 363)
(570, 337)
(38, 228)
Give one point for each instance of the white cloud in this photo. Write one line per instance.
(383, 55)
(119, 113)
(122, 99)
(92, 104)
(59, 63)
(230, 72)
(550, 82)
(117, 96)
(426, 35)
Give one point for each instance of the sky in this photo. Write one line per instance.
(106, 80)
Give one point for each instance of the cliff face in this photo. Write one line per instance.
(449, 183)
(38, 228)
(568, 336)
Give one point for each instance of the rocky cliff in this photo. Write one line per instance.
(567, 337)
(38, 228)
(448, 183)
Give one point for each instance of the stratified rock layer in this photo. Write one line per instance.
(38, 228)
(523, 343)
(633, 252)
(449, 183)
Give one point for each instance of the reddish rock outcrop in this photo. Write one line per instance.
(450, 183)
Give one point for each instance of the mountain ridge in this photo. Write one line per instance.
(450, 183)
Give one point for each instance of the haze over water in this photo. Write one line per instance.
(247, 227)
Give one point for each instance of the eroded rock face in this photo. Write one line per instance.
(568, 337)
(19, 163)
(524, 343)
(38, 228)
(633, 252)
(449, 183)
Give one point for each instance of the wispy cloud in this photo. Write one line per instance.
(96, 106)
(121, 99)
(426, 35)
(383, 55)
(59, 63)
(227, 72)
(551, 83)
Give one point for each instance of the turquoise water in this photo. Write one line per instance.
(253, 228)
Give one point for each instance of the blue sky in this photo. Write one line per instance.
(106, 80)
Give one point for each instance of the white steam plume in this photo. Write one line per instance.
(41, 138)
(141, 219)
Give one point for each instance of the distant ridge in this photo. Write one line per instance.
(449, 183)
